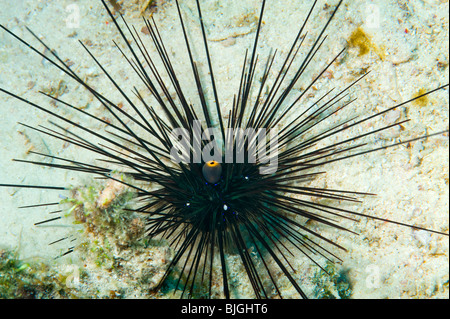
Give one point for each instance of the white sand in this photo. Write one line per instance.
(385, 261)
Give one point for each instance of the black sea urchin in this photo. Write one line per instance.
(258, 219)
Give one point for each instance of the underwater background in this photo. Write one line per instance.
(404, 44)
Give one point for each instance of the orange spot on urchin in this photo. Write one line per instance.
(212, 163)
(211, 171)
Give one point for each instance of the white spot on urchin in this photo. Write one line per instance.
(225, 207)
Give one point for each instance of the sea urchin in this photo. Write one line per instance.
(221, 181)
